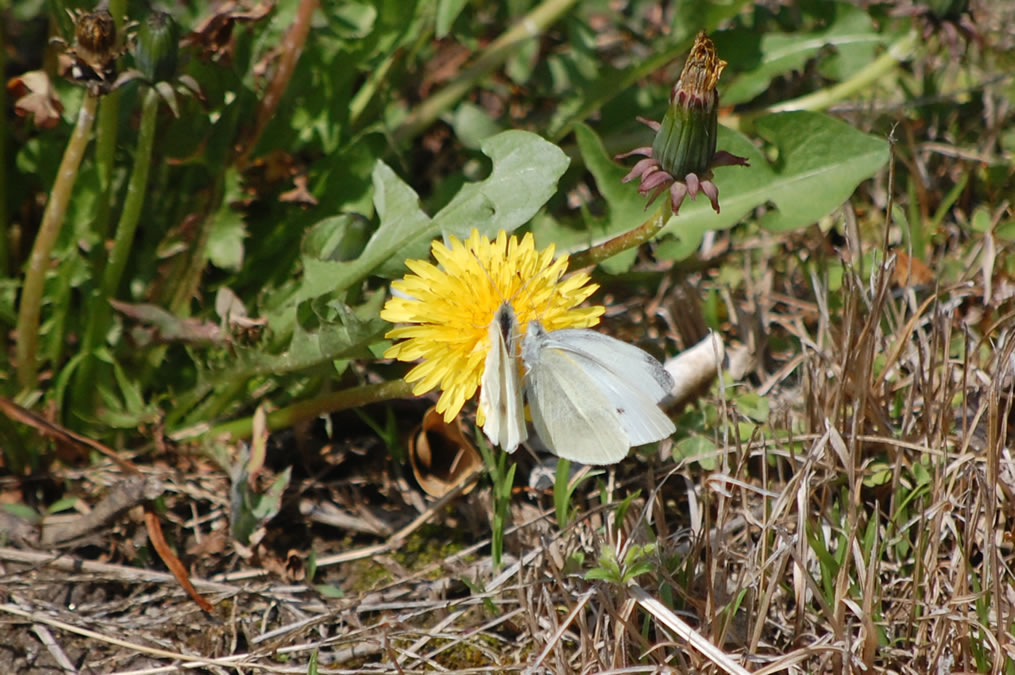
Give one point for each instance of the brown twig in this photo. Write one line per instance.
(122, 496)
(60, 434)
(292, 47)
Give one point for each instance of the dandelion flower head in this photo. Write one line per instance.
(447, 307)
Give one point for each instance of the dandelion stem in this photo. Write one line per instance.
(5, 234)
(106, 128)
(307, 410)
(134, 199)
(98, 316)
(631, 239)
(30, 307)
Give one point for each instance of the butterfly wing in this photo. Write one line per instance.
(631, 380)
(500, 394)
(571, 414)
(626, 361)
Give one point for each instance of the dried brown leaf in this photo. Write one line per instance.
(34, 95)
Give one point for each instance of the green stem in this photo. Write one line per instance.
(30, 307)
(304, 410)
(5, 233)
(106, 128)
(112, 274)
(134, 200)
(631, 239)
(496, 53)
(105, 152)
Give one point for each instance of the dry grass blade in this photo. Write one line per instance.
(665, 615)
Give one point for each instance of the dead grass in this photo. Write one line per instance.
(866, 526)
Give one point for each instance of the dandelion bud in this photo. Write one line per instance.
(157, 47)
(683, 153)
(685, 142)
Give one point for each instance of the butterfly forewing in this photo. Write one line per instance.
(500, 394)
(628, 362)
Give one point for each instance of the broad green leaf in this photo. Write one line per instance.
(753, 406)
(696, 449)
(337, 331)
(473, 125)
(819, 163)
(225, 238)
(525, 172)
(524, 176)
(401, 221)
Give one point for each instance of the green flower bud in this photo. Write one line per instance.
(685, 142)
(683, 153)
(157, 48)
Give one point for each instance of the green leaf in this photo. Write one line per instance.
(524, 176)
(249, 509)
(525, 172)
(329, 591)
(473, 125)
(225, 240)
(820, 162)
(765, 56)
(626, 208)
(353, 20)
(334, 331)
(753, 405)
(696, 449)
(447, 12)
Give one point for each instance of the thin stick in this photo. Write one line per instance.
(110, 571)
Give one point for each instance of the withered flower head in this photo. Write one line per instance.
(95, 47)
(683, 153)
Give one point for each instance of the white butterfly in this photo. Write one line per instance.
(591, 396)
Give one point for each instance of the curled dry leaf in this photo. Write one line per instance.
(214, 35)
(910, 271)
(441, 455)
(34, 95)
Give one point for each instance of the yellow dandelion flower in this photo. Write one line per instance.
(448, 308)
